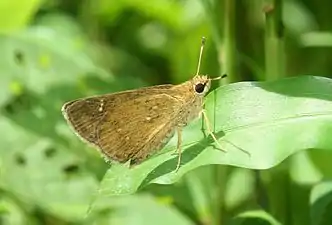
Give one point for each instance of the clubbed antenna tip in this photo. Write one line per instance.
(200, 55)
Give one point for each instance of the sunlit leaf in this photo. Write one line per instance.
(14, 15)
(138, 210)
(321, 203)
(270, 120)
(255, 217)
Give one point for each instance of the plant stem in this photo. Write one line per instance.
(225, 43)
(228, 52)
(274, 46)
(221, 14)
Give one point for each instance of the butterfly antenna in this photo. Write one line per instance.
(200, 55)
(220, 77)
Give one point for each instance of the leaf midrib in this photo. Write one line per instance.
(280, 120)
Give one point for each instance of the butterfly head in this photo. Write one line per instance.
(202, 83)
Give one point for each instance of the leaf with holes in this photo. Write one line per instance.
(41, 161)
(41, 172)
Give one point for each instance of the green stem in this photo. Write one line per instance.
(228, 51)
(274, 46)
(224, 18)
(218, 194)
(221, 14)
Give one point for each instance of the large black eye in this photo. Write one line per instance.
(199, 88)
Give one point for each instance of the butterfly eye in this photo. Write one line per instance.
(199, 88)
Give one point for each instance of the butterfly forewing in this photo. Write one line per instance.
(112, 122)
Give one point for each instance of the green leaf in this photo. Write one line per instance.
(11, 213)
(239, 188)
(303, 170)
(270, 120)
(204, 188)
(316, 39)
(14, 15)
(38, 161)
(255, 217)
(31, 59)
(41, 172)
(37, 164)
(321, 161)
(163, 11)
(321, 203)
(138, 210)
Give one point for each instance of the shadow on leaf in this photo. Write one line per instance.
(188, 156)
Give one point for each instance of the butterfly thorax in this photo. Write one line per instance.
(191, 94)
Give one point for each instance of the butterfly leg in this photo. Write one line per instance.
(178, 148)
(208, 127)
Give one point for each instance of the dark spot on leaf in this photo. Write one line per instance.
(18, 103)
(8, 108)
(71, 169)
(20, 160)
(19, 57)
(50, 152)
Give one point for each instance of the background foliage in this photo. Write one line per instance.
(55, 51)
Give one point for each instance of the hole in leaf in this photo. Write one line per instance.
(71, 169)
(50, 152)
(23, 101)
(19, 57)
(20, 160)
(9, 108)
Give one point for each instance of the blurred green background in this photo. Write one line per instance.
(53, 51)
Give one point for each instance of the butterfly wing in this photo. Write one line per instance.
(126, 125)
